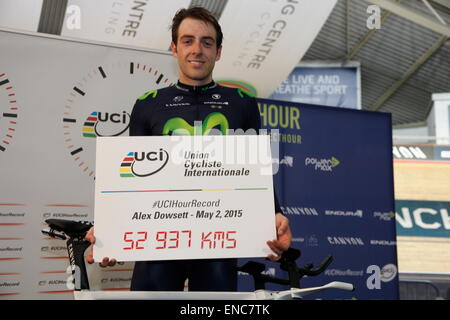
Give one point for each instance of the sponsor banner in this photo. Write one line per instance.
(423, 218)
(325, 85)
(258, 40)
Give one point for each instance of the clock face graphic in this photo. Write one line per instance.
(8, 112)
(100, 105)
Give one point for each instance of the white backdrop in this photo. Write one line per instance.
(48, 88)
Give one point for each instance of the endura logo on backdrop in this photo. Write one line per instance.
(358, 213)
(322, 164)
(374, 242)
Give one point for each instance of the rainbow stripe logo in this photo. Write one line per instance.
(125, 167)
(89, 125)
(105, 124)
(242, 86)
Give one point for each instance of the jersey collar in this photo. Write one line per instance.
(195, 89)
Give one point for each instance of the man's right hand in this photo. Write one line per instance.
(106, 262)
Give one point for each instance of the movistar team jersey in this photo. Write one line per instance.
(188, 110)
(183, 109)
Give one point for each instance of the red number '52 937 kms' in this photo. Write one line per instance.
(179, 239)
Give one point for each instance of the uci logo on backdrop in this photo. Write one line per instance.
(143, 163)
(105, 124)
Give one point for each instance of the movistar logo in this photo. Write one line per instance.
(334, 162)
(322, 164)
(105, 124)
(179, 126)
(152, 93)
(143, 164)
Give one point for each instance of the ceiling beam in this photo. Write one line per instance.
(433, 11)
(366, 37)
(414, 16)
(445, 3)
(411, 70)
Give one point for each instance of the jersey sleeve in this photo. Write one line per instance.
(141, 115)
(137, 122)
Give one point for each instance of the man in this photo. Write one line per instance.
(197, 45)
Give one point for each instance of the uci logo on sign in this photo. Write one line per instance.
(143, 163)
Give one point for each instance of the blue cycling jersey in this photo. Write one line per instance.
(179, 107)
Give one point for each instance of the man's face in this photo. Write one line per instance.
(196, 51)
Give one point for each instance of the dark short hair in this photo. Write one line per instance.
(197, 13)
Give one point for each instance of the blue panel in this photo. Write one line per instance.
(335, 184)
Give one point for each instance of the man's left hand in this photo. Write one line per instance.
(284, 237)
